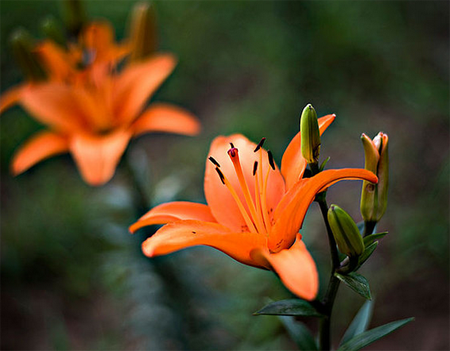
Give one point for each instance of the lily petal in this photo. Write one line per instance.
(41, 146)
(174, 211)
(11, 97)
(291, 211)
(297, 269)
(182, 234)
(98, 156)
(293, 164)
(166, 118)
(137, 83)
(54, 104)
(219, 198)
(58, 63)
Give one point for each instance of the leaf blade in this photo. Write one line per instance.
(299, 333)
(291, 307)
(357, 283)
(360, 323)
(370, 336)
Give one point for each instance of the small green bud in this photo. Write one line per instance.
(23, 50)
(52, 30)
(374, 196)
(309, 127)
(345, 232)
(75, 16)
(143, 37)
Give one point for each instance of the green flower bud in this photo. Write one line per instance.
(143, 38)
(309, 127)
(75, 16)
(345, 232)
(52, 30)
(23, 50)
(374, 196)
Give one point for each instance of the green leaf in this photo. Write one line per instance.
(368, 251)
(360, 226)
(299, 333)
(369, 239)
(292, 307)
(357, 283)
(368, 337)
(359, 323)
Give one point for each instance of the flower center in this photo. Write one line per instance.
(255, 214)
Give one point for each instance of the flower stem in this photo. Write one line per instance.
(333, 285)
(369, 228)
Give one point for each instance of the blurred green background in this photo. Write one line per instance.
(72, 278)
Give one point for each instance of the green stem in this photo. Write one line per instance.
(369, 228)
(140, 199)
(333, 285)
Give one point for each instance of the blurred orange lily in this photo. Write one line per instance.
(254, 210)
(94, 112)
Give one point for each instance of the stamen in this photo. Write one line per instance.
(260, 144)
(271, 162)
(232, 146)
(235, 196)
(234, 155)
(221, 176)
(255, 167)
(213, 160)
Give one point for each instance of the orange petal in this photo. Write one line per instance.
(297, 269)
(166, 118)
(174, 211)
(98, 156)
(219, 199)
(58, 63)
(293, 164)
(54, 104)
(137, 83)
(182, 234)
(291, 211)
(41, 146)
(11, 97)
(98, 39)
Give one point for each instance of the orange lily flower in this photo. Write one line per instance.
(254, 211)
(94, 112)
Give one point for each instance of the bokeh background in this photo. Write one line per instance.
(72, 278)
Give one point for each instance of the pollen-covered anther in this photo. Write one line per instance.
(271, 161)
(213, 161)
(260, 145)
(255, 168)
(221, 176)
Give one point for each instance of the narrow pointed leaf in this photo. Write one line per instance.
(360, 323)
(368, 251)
(357, 283)
(360, 226)
(299, 333)
(369, 239)
(370, 336)
(292, 307)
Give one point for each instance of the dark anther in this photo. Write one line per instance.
(232, 146)
(271, 163)
(213, 160)
(260, 144)
(221, 176)
(255, 167)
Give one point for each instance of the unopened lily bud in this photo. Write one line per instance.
(53, 31)
(374, 196)
(75, 16)
(309, 127)
(345, 232)
(143, 39)
(23, 50)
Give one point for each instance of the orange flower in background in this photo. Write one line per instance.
(254, 211)
(93, 112)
